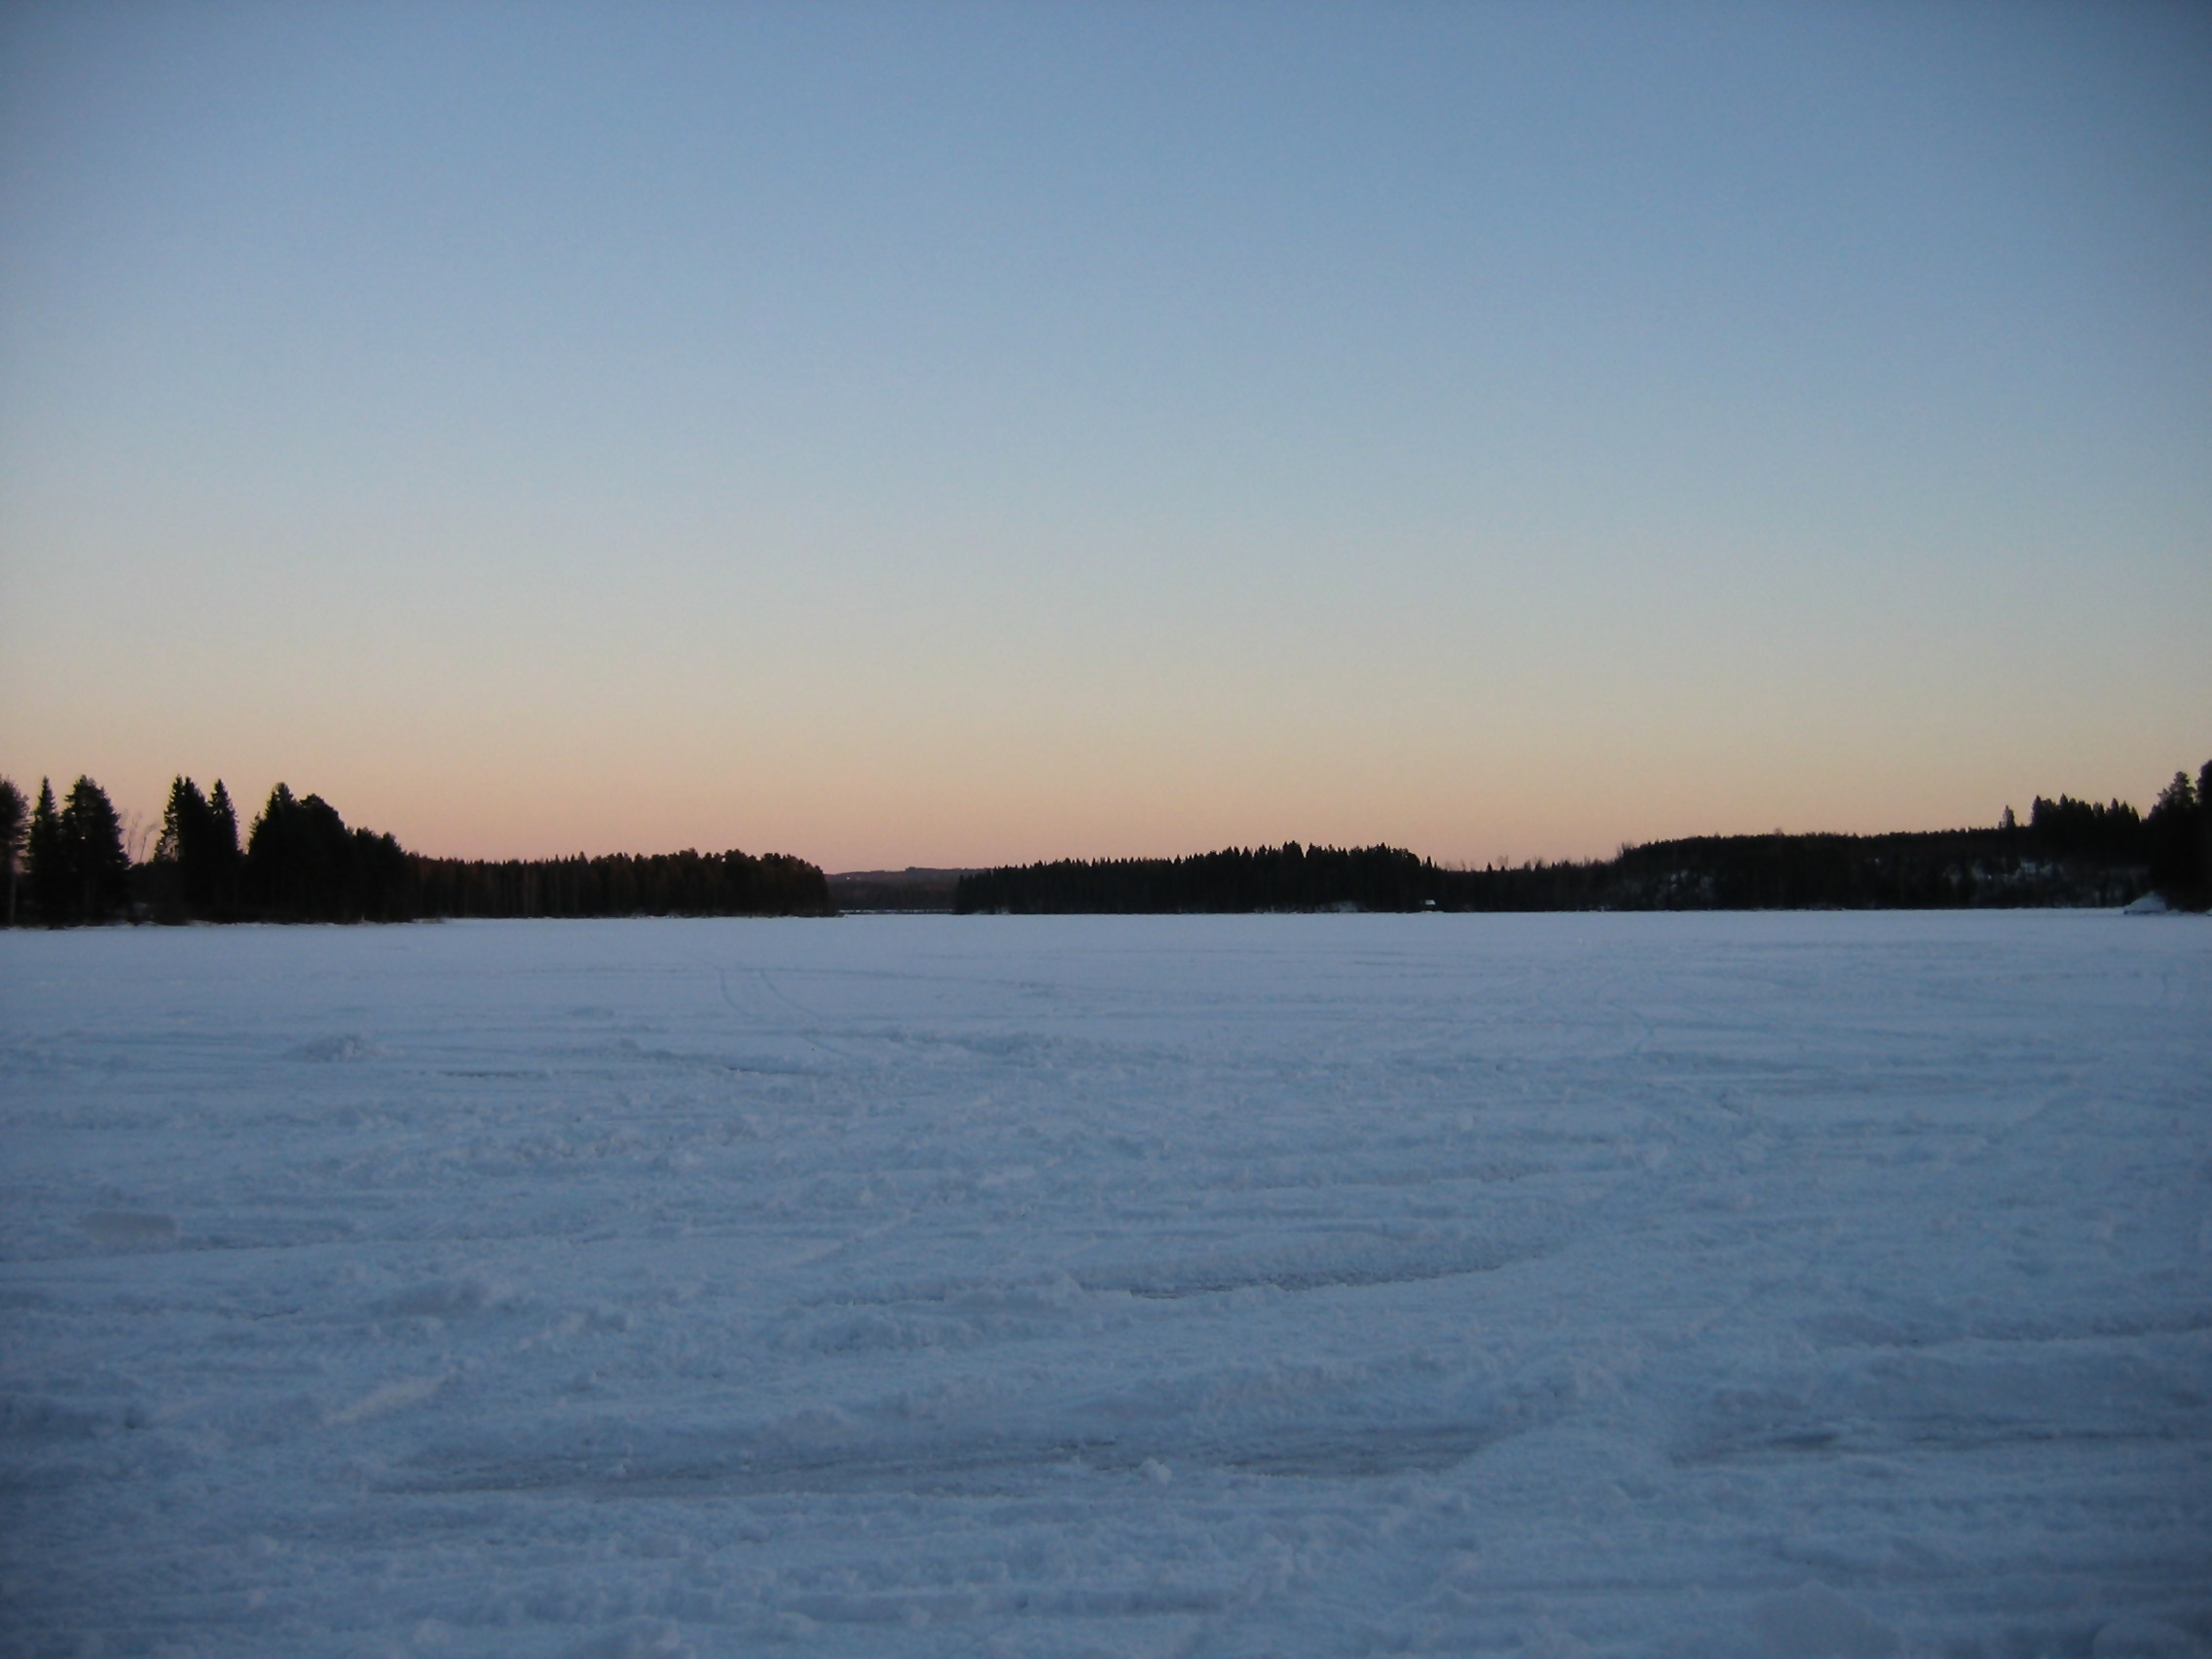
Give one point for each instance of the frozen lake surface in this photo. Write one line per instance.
(1772, 1286)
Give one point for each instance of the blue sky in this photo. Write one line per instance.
(950, 435)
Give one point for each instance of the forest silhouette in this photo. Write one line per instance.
(298, 861)
(2069, 853)
(67, 865)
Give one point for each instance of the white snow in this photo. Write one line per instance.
(1767, 1286)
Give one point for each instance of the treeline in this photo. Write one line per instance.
(67, 865)
(299, 864)
(1288, 877)
(665, 884)
(2069, 853)
(69, 858)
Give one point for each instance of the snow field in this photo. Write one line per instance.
(1768, 1286)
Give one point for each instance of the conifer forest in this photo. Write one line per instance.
(67, 865)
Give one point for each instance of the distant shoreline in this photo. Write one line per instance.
(2070, 854)
(300, 862)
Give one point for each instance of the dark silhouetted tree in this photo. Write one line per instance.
(181, 818)
(195, 861)
(92, 838)
(50, 877)
(2175, 831)
(2204, 835)
(12, 824)
(303, 864)
(2067, 828)
(294, 855)
(226, 856)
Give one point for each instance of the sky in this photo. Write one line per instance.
(958, 434)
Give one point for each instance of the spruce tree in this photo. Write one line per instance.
(271, 886)
(172, 901)
(92, 838)
(2204, 836)
(184, 799)
(299, 860)
(326, 878)
(225, 863)
(2175, 831)
(51, 879)
(199, 850)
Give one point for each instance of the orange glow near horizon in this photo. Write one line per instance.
(900, 437)
(996, 805)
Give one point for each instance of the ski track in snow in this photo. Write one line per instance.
(1767, 1286)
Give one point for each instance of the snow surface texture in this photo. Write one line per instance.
(1769, 1286)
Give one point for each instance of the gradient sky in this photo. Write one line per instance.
(954, 434)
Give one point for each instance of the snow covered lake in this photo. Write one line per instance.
(1772, 1286)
